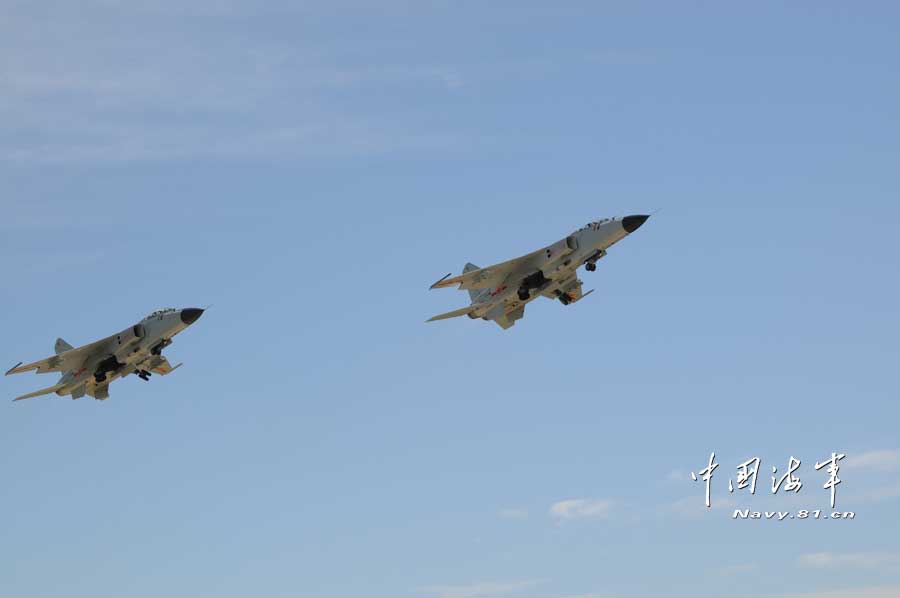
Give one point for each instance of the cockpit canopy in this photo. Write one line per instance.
(161, 312)
(595, 225)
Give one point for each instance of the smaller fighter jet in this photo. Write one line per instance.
(499, 293)
(136, 350)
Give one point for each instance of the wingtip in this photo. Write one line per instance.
(10, 370)
(434, 286)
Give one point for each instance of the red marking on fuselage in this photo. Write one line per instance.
(80, 372)
(498, 291)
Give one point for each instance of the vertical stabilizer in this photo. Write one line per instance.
(472, 292)
(62, 346)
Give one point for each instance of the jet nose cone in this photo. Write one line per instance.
(189, 315)
(632, 223)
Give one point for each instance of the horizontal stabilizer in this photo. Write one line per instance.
(453, 314)
(62, 346)
(37, 393)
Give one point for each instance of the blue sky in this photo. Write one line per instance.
(311, 169)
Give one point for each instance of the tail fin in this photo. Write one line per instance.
(62, 346)
(472, 292)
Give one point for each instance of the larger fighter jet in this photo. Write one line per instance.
(499, 293)
(90, 369)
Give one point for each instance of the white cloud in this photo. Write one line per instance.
(863, 470)
(80, 87)
(880, 460)
(877, 493)
(581, 508)
(479, 589)
(859, 560)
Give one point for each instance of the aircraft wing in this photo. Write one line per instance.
(37, 393)
(68, 360)
(492, 276)
(453, 314)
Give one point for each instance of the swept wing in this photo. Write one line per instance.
(491, 276)
(37, 393)
(494, 276)
(65, 361)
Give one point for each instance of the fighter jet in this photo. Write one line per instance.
(136, 350)
(499, 293)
